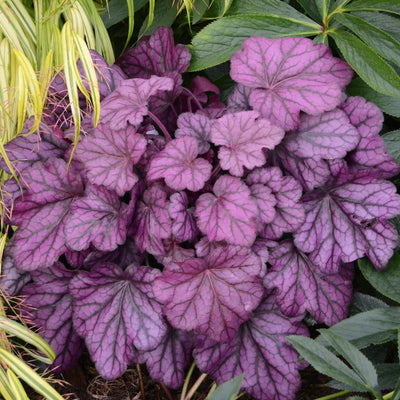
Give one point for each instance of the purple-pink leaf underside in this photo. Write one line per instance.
(49, 304)
(229, 214)
(98, 218)
(129, 102)
(167, 362)
(12, 280)
(290, 75)
(344, 224)
(183, 223)
(178, 164)
(328, 135)
(114, 310)
(40, 214)
(155, 55)
(242, 137)
(109, 156)
(212, 296)
(197, 126)
(301, 286)
(152, 222)
(261, 352)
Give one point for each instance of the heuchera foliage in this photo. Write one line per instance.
(184, 228)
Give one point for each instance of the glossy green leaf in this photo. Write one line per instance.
(375, 5)
(360, 364)
(28, 375)
(228, 390)
(386, 281)
(217, 42)
(325, 362)
(382, 43)
(388, 104)
(199, 8)
(165, 13)
(392, 140)
(371, 327)
(118, 10)
(310, 9)
(218, 8)
(376, 72)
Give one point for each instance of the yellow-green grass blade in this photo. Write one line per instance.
(5, 389)
(27, 374)
(152, 5)
(16, 387)
(45, 75)
(34, 355)
(28, 336)
(131, 22)
(24, 18)
(21, 97)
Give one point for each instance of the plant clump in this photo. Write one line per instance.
(187, 228)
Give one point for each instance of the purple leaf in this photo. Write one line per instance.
(261, 352)
(183, 223)
(301, 286)
(197, 126)
(114, 310)
(239, 100)
(266, 203)
(12, 280)
(328, 135)
(99, 218)
(212, 296)
(40, 214)
(24, 150)
(341, 221)
(179, 166)
(152, 221)
(371, 150)
(10, 190)
(109, 157)
(289, 212)
(174, 253)
(289, 75)
(129, 102)
(155, 55)
(50, 305)
(242, 137)
(167, 362)
(229, 214)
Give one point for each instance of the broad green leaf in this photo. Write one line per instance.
(228, 390)
(117, 10)
(273, 8)
(360, 364)
(28, 336)
(217, 42)
(388, 23)
(369, 66)
(375, 5)
(382, 43)
(362, 302)
(310, 9)
(325, 361)
(28, 375)
(199, 8)
(218, 8)
(392, 140)
(386, 281)
(371, 327)
(388, 104)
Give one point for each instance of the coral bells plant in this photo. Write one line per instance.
(184, 227)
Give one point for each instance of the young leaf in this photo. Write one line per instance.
(369, 66)
(229, 214)
(115, 310)
(178, 164)
(386, 281)
(242, 136)
(228, 390)
(304, 77)
(214, 295)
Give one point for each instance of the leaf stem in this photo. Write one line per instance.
(160, 125)
(187, 379)
(196, 385)
(141, 382)
(334, 395)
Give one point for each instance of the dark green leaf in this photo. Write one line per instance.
(117, 10)
(325, 361)
(375, 5)
(382, 43)
(164, 15)
(199, 8)
(269, 7)
(364, 302)
(387, 281)
(218, 8)
(357, 360)
(392, 140)
(388, 104)
(309, 7)
(217, 42)
(228, 390)
(356, 398)
(388, 375)
(371, 327)
(376, 72)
